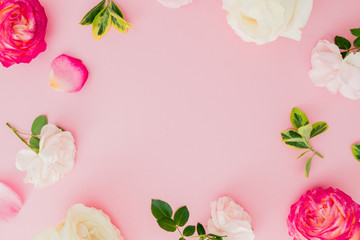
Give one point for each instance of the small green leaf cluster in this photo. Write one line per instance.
(163, 213)
(299, 137)
(102, 16)
(345, 45)
(34, 142)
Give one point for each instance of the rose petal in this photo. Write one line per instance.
(174, 3)
(67, 74)
(10, 203)
(48, 234)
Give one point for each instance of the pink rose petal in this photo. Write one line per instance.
(67, 74)
(10, 203)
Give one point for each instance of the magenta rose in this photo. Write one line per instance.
(323, 214)
(22, 31)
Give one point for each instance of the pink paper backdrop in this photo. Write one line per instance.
(180, 109)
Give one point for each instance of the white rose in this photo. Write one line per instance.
(330, 70)
(263, 21)
(230, 220)
(174, 3)
(84, 223)
(55, 158)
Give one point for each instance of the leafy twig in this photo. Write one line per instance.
(299, 138)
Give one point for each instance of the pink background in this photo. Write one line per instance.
(180, 109)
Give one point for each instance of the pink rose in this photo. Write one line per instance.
(22, 30)
(330, 70)
(324, 214)
(230, 220)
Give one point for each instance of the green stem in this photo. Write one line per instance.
(313, 150)
(16, 132)
(180, 232)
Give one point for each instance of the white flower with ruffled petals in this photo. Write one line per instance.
(230, 220)
(55, 158)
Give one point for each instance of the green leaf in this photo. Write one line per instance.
(289, 134)
(181, 238)
(356, 151)
(167, 224)
(189, 231)
(35, 143)
(355, 32)
(344, 54)
(200, 229)
(61, 128)
(181, 216)
(297, 143)
(117, 19)
(160, 209)
(90, 16)
(342, 43)
(116, 9)
(38, 124)
(357, 42)
(318, 128)
(304, 131)
(307, 167)
(298, 118)
(101, 24)
(302, 154)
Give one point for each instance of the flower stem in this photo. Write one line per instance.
(16, 132)
(182, 236)
(313, 150)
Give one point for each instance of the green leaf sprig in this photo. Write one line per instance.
(102, 16)
(299, 137)
(33, 139)
(164, 216)
(345, 45)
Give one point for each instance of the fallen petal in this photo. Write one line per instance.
(10, 203)
(67, 74)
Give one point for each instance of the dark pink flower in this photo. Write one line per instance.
(323, 214)
(22, 31)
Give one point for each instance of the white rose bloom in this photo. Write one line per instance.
(55, 158)
(84, 223)
(174, 3)
(263, 21)
(330, 70)
(230, 220)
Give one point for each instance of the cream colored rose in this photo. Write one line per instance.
(55, 158)
(230, 220)
(84, 223)
(262, 21)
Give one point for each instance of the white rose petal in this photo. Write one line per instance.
(174, 3)
(48, 234)
(263, 21)
(55, 158)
